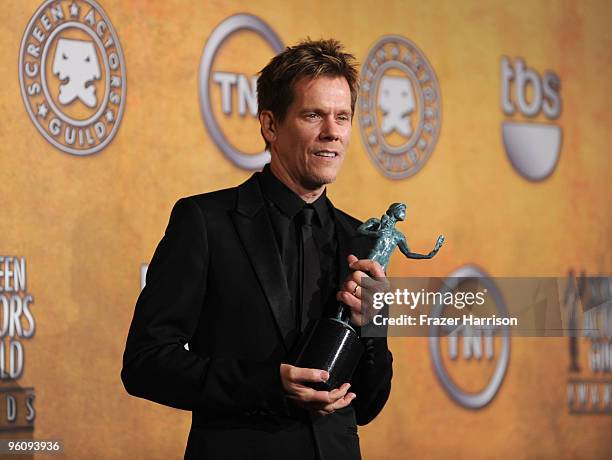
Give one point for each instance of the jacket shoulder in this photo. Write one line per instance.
(218, 200)
(227, 199)
(350, 220)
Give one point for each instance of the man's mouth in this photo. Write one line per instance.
(326, 154)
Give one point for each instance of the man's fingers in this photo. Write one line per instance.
(351, 258)
(366, 265)
(315, 396)
(352, 286)
(345, 401)
(359, 286)
(330, 397)
(339, 404)
(349, 300)
(323, 402)
(357, 276)
(339, 392)
(323, 398)
(302, 374)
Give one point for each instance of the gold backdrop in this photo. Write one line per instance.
(85, 224)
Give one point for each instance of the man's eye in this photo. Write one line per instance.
(312, 115)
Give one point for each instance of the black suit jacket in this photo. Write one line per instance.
(216, 282)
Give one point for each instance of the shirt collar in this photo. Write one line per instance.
(287, 200)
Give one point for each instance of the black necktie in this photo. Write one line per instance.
(310, 268)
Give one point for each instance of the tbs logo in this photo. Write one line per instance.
(532, 147)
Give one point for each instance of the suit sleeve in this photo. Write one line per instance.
(156, 365)
(372, 379)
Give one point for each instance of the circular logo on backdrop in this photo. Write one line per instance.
(72, 75)
(232, 89)
(485, 351)
(533, 147)
(399, 108)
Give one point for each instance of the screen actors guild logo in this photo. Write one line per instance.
(400, 107)
(17, 327)
(532, 147)
(72, 75)
(229, 84)
(77, 63)
(396, 100)
(588, 310)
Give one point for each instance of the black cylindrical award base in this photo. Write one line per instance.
(333, 346)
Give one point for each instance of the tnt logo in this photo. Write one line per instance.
(532, 147)
(243, 87)
(470, 361)
(477, 343)
(228, 86)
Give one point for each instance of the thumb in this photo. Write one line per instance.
(351, 258)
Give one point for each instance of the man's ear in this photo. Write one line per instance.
(268, 125)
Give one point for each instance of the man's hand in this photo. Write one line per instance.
(353, 291)
(321, 402)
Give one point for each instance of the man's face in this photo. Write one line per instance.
(311, 142)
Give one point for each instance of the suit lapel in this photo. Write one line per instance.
(255, 231)
(349, 242)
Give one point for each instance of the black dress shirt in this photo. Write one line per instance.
(283, 207)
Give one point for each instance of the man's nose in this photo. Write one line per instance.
(330, 130)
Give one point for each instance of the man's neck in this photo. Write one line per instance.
(308, 195)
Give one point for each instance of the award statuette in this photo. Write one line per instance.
(333, 344)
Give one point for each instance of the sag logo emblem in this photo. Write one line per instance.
(72, 75)
(400, 107)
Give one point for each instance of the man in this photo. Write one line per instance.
(234, 278)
